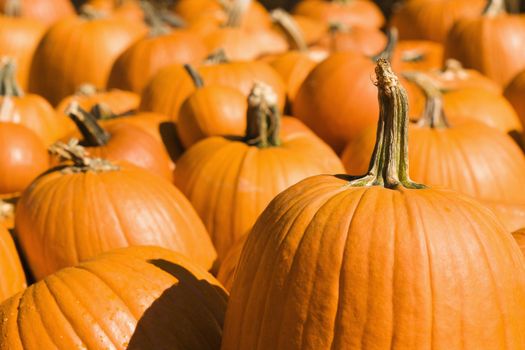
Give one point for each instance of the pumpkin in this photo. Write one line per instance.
(519, 236)
(365, 40)
(410, 55)
(432, 20)
(29, 110)
(19, 38)
(23, 156)
(168, 89)
(249, 171)
(13, 279)
(133, 298)
(43, 11)
(131, 10)
(465, 156)
(336, 99)
(494, 43)
(226, 274)
(514, 92)
(162, 47)
(350, 13)
(210, 111)
(79, 50)
(90, 205)
(376, 261)
(120, 142)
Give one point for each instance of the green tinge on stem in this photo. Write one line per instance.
(93, 134)
(389, 163)
(194, 75)
(494, 8)
(8, 84)
(263, 121)
(292, 30)
(433, 114)
(392, 36)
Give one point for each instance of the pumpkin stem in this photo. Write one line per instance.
(391, 43)
(72, 151)
(86, 90)
(90, 13)
(291, 29)
(153, 19)
(7, 210)
(216, 57)
(453, 69)
(93, 134)
(494, 8)
(235, 10)
(194, 75)
(433, 114)
(13, 8)
(8, 84)
(389, 163)
(102, 111)
(263, 122)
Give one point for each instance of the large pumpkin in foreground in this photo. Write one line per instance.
(377, 262)
(132, 298)
(79, 210)
(12, 277)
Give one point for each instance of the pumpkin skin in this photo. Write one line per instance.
(351, 13)
(44, 11)
(23, 156)
(124, 9)
(336, 100)
(135, 66)
(125, 207)
(519, 236)
(417, 55)
(246, 177)
(226, 274)
(13, 277)
(168, 89)
(474, 42)
(133, 298)
(432, 20)
(364, 40)
(76, 51)
(19, 39)
(375, 262)
(514, 92)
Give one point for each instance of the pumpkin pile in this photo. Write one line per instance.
(227, 175)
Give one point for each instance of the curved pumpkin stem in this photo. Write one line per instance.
(8, 84)
(216, 57)
(453, 69)
(235, 10)
(494, 8)
(433, 114)
(194, 75)
(263, 122)
(154, 20)
(94, 135)
(290, 28)
(392, 38)
(77, 154)
(389, 163)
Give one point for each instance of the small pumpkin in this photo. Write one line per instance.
(120, 142)
(249, 171)
(23, 156)
(168, 89)
(376, 261)
(454, 152)
(13, 279)
(132, 298)
(89, 205)
(29, 110)
(210, 111)
(493, 44)
(79, 50)
(46, 12)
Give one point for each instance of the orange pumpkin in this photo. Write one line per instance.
(89, 206)
(361, 13)
(120, 142)
(162, 47)
(211, 111)
(133, 298)
(417, 55)
(336, 100)
(226, 274)
(79, 50)
(376, 261)
(515, 93)
(31, 111)
(13, 279)
(19, 38)
(43, 11)
(23, 156)
(249, 171)
(465, 156)
(168, 89)
(519, 236)
(130, 10)
(494, 43)
(365, 40)
(432, 19)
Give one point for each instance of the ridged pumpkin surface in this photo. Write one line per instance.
(133, 298)
(519, 236)
(66, 217)
(12, 277)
